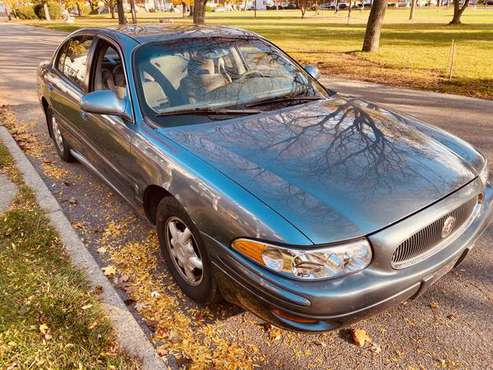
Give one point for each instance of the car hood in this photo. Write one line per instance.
(336, 169)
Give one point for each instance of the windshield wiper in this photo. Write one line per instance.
(208, 112)
(283, 99)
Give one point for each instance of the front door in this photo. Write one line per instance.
(108, 136)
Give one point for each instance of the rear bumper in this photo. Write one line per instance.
(330, 304)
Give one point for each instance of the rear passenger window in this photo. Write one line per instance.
(72, 60)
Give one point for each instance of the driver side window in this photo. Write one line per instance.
(109, 73)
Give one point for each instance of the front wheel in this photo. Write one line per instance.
(184, 252)
(61, 145)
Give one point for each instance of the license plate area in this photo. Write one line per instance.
(429, 280)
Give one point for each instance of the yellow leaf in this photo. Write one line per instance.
(360, 337)
(109, 270)
(43, 328)
(87, 306)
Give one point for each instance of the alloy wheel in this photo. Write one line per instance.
(57, 135)
(183, 251)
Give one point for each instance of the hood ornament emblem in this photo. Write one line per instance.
(448, 226)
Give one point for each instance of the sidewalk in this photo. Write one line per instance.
(9, 190)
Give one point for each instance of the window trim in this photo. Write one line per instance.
(90, 83)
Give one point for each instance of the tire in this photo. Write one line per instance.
(61, 145)
(204, 289)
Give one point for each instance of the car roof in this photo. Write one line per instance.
(143, 33)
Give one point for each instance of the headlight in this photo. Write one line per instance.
(315, 264)
(483, 175)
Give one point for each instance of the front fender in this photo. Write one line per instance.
(217, 204)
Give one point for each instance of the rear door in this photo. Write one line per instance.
(67, 83)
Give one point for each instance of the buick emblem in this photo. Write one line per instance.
(448, 226)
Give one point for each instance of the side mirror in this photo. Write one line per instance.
(312, 71)
(105, 102)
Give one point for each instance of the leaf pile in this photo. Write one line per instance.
(186, 335)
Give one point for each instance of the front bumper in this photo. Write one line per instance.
(330, 304)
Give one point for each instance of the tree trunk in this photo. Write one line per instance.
(133, 12)
(374, 26)
(199, 11)
(79, 13)
(413, 9)
(303, 11)
(337, 6)
(349, 10)
(47, 13)
(121, 12)
(458, 10)
(112, 10)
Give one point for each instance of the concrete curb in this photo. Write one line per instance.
(129, 334)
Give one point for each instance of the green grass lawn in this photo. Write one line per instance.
(49, 318)
(412, 54)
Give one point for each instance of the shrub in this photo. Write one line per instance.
(85, 9)
(24, 12)
(53, 8)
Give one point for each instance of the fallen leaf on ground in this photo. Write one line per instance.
(360, 337)
(375, 348)
(43, 328)
(154, 294)
(275, 333)
(161, 351)
(434, 305)
(173, 336)
(109, 270)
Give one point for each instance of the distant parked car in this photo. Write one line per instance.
(309, 208)
(326, 6)
(343, 5)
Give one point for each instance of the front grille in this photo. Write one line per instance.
(422, 243)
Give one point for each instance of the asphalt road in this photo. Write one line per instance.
(451, 325)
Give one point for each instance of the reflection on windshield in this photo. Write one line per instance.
(216, 73)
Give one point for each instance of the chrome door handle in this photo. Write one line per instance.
(84, 115)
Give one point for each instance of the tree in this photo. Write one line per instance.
(413, 8)
(302, 4)
(121, 12)
(199, 11)
(458, 10)
(133, 11)
(374, 26)
(110, 4)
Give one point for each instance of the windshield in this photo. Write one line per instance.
(216, 73)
